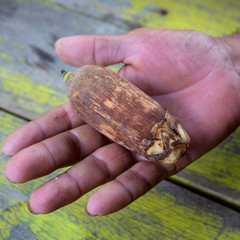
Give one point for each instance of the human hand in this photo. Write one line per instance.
(194, 76)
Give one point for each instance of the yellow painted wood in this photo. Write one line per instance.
(213, 17)
(166, 212)
(218, 170)
(30, 78)
(24, 95)
(30, 83)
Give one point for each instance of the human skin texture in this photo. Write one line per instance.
(194, 76)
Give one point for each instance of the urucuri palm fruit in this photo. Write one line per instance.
(125, 114)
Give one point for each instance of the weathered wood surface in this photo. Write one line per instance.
(166, 212)
(30, 79)
(30, 83)
(217, 173)
(213, 17)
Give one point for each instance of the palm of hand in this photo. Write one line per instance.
(186, 72)
(191, 75)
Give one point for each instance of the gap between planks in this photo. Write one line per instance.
(2, 109)
(193, 187)
(206, 192)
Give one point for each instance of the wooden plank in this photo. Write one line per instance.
(213, 17)
(30, 82)
(30, 79)
(166, 212)
(217, 172)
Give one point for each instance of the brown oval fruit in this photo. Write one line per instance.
(125, 114)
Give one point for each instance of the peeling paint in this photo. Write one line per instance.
(216, 18)
(28, 95)
(166, 212)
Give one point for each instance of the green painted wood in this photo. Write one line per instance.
(30, 81)
(167, 212)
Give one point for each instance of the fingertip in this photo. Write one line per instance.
(43, 199)
(5, 149)
(64, 49)
(8, 149)
(30, 209)
(17, 169)
(92, 209)
(107, 200)
(16, 141)
(88, 212)
(59, 47)
(10, 174)
(59, 44)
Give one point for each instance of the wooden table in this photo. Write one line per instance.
(201, 202)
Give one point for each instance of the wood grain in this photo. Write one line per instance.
(30, 83)
(166, 212)
(30, 78)
(216, 18)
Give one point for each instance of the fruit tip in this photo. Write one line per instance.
(63, 72)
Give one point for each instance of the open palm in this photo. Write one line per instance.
(189, 73)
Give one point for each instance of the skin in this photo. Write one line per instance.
(195, 76)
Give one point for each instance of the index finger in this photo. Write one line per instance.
(53, 122)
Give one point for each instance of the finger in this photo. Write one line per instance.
(104, 51)
(120, 192)
(103, 165)
(93, 49)
(45, 157)
(136, 77)
(131, 185)
(54, 121)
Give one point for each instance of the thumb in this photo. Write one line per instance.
(93, 49)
